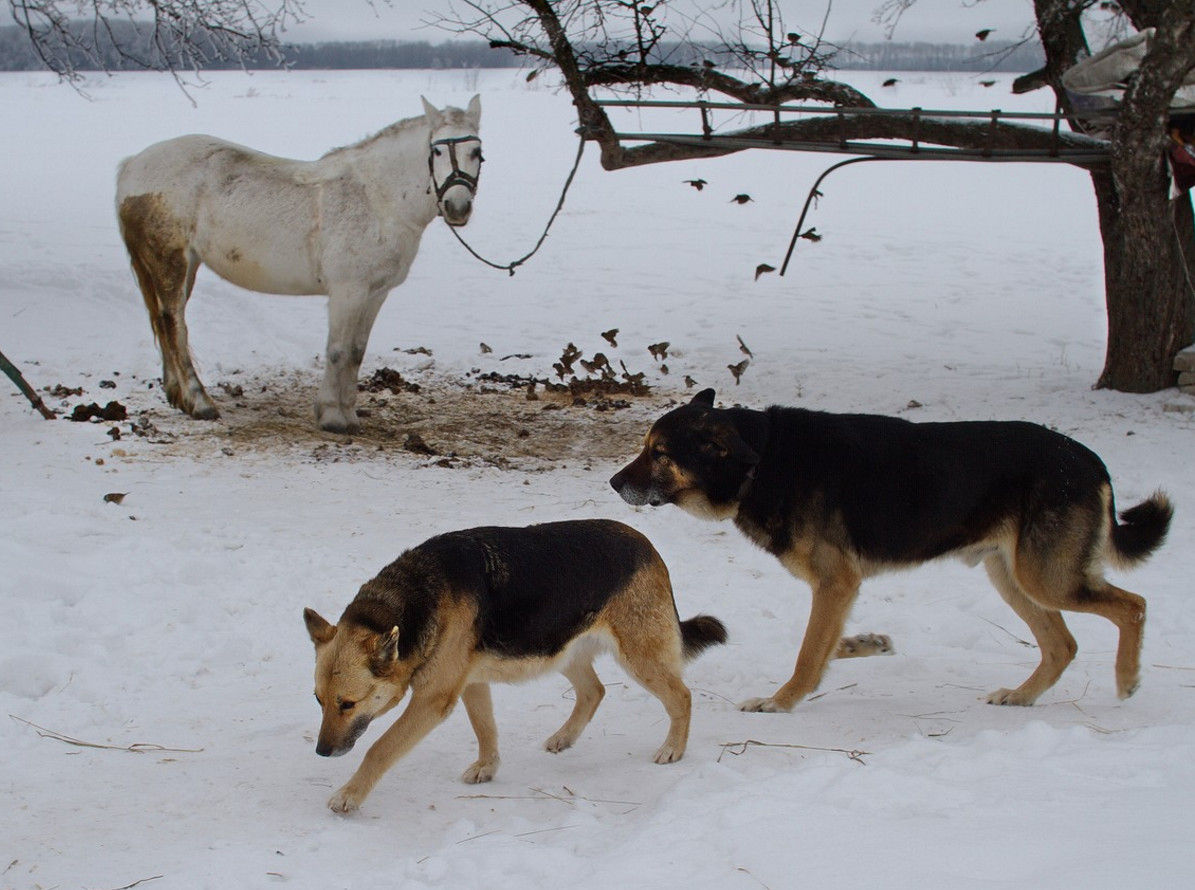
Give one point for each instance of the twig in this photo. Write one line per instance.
(1024, 643)
(474, 837)
(832, 691)
(542, 830)
(136, 748)
(19, 380)
(854, 755)
(713, 694)
(747, 872)
(540, 794)
(142, 881)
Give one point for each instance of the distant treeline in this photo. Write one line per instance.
(17, 54)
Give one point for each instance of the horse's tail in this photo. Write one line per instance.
(1141, 529)
(136, 215)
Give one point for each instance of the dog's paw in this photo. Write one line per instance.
(864, 645)
(669, 753)
(479, 772)
(1011, 697)
(763, 706)
(561, 741)
(346, 800)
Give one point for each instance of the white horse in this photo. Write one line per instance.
(347, 225)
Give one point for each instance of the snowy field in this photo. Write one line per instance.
(163, 634)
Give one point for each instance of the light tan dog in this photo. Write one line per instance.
(500, 605)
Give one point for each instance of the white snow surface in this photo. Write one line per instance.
(165, 632)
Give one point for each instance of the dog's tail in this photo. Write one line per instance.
(699, 633)
(1141, 529)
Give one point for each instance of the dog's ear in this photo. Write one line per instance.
(705, 397)
(318, 629)
(728, 443)
(386, 654)
(740, 450)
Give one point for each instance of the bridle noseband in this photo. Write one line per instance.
(457, 176)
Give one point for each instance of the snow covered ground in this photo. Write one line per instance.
(165, 631)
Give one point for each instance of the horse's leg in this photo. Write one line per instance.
(351, 314)
(165, 270)
(195, 400)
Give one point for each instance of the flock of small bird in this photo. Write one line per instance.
(600, 367)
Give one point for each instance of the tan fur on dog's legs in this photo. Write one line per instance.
(833, 595)
(479, 705)
(1127, 611)
(661, 676)
(589, 692)
(1054, 640)
(427, 709)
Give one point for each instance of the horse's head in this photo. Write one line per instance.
(454, 158)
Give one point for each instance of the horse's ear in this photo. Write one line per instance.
(474, 111)
(705, 397)
(434, 117)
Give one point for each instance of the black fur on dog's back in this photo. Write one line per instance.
(885, 479)
(898, 492)
(535, 588)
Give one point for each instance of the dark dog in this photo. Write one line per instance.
(468, 608)
(838, 497)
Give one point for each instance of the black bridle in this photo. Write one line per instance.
(457, 176)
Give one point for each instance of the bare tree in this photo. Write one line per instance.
(1149, 249)
(155, 35)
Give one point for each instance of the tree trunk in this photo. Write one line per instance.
(1149, 240)
(1149, 266)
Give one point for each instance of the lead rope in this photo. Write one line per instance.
(511, 266)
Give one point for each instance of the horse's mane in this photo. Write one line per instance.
(452, 116)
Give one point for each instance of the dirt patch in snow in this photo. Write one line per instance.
(504, 421)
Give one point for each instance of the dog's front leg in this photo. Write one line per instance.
(479, 705)
(426, 710)
(834, 592)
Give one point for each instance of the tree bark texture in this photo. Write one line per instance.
(1148, 238)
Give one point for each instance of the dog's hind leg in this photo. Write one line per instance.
(1054, 640)
(1060, 580)
(1127, 611)
(655, 663)
(834, 591)
(588, 691)
(479, 705)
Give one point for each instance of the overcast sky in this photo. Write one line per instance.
(947, 21)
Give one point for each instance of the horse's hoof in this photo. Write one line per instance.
(210, 412)
(332, 419)
(340, 427)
